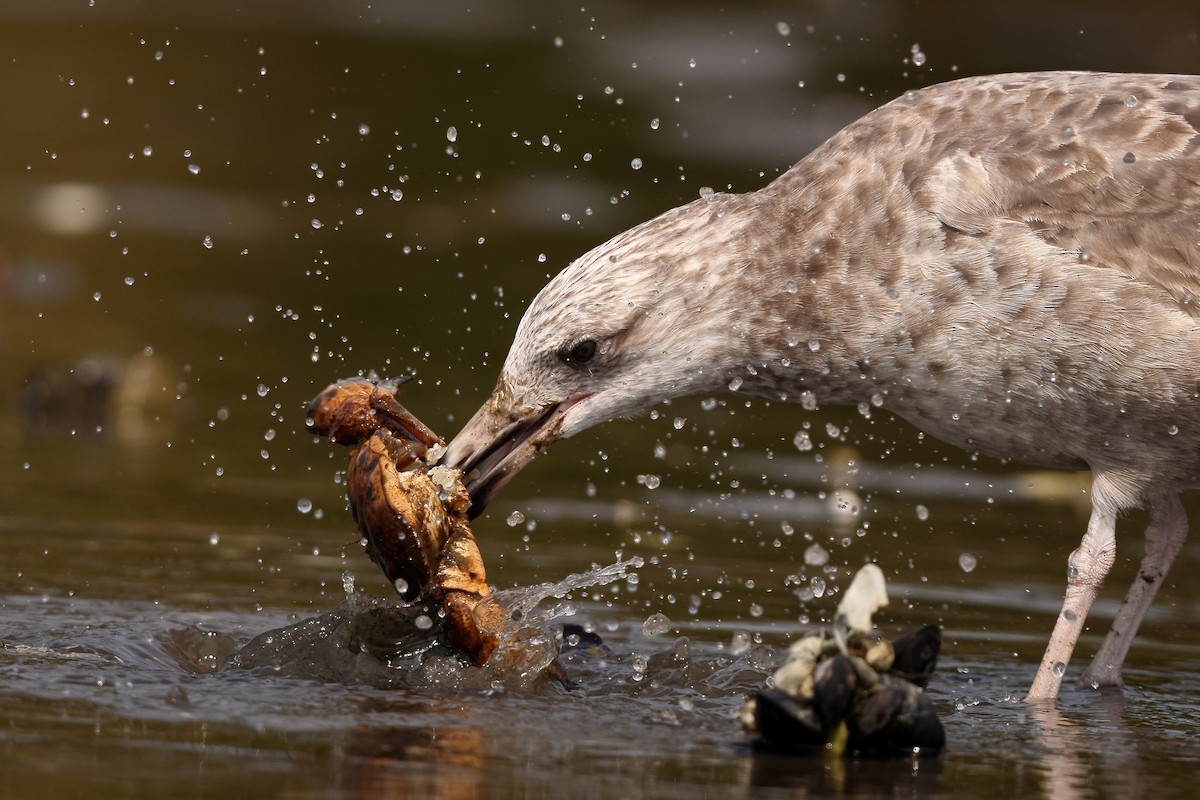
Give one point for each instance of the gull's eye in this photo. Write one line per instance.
(580, 353)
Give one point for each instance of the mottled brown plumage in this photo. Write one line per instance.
(1011, 263)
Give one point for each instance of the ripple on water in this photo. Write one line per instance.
(384, 688)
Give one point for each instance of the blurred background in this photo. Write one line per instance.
(209, 211)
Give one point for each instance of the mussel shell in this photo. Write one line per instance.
(917, 655)
(835, 684)
(895, 719)
(784, 721)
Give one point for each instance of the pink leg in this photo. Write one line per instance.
(1086, 569)
(1164, 539)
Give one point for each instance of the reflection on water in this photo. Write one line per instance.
(208, 212)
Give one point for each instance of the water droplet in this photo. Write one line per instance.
(814, 345)
(208, 243)
(194, 169)
(214, 538)
(1129, 158)
(735, 384)
(707, 193)
(654, 124)
(967, 562)
(803, 442)
(452, 134)
(401, 585)
(652, 481)
(783, 28)
(262, 390)
(816, 556)
(423, 622)
(304, 505)
(756, 610)
(922, 513)
(1130, 101)
(364, 129)
(918, 57)
(1172, 429)
(514, 519)
(147, 151)
(791, 287)
(808, 401)
(397, 195)
(740, 643)
(1059, 669)
(656, 625)
(639, 663)
(636, 163)
(817, 585)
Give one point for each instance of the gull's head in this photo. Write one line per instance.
(621, 329)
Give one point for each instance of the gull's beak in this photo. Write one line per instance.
(500, 440)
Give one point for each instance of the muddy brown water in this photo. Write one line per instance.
(208, 213)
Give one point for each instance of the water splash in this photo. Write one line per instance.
(381, 643)
(521, 601)
(656, 625)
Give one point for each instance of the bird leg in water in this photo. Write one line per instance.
(1086, 569)
(1164, 539)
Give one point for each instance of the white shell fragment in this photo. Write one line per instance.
(866, 595)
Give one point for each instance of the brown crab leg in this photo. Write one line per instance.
(402, 451)
(398, 420)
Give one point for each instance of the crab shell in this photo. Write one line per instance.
(404, 519)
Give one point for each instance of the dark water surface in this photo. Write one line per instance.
(209, 211)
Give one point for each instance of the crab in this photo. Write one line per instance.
(413, 516)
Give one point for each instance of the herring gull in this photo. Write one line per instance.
(1011, 263)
